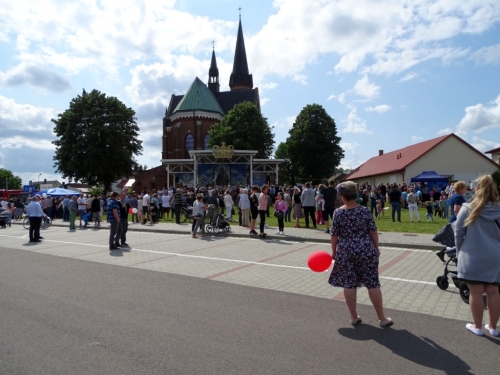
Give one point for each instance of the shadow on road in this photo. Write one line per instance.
(420, 350)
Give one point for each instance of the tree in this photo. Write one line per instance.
(97, 140)
(244, 128)
(313, 144)
(287, 171)
(9, 181)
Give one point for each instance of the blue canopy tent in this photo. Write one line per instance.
(431, 181)
(56, 192)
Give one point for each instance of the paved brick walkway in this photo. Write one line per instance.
(407, 275)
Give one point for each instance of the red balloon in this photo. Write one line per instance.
(130, 211)
(319, 261)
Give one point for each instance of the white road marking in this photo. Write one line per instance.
(231, 260)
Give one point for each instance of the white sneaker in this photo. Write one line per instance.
(278, 232)
(282, 233)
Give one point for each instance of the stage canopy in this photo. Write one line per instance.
(56, 192)
(429, 176)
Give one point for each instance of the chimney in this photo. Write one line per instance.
(380, 152)
(44, 180)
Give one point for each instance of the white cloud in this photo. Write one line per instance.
(354, 124)
(332, 96)
(341, 98)
(363, 87)
(16, 117)
(301, 78)
(408, 77)
(416, 139)
(349, 146)
(18, 142)
(284, 123)
(487, 55)
(483, 144)
(379, 108)
(479, 117)
(268, 85)
(34, 76)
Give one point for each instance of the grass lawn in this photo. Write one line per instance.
(385, 224)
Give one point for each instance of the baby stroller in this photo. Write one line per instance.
(4, 217)
(217, 222)
(187, 213)
(446, 237)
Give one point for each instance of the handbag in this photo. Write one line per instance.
(278, 214)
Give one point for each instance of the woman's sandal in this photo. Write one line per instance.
(356, 321)
(493, 332)
(472, 327)
(385, 323)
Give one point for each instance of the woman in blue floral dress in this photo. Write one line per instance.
(355, 251)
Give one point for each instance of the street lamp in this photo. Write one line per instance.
(39, 181)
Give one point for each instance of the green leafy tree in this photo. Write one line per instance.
(313, 144)
(244, 128)
(9, 181)
(287, 171)
(98, 139)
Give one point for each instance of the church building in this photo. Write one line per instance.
(189, 117)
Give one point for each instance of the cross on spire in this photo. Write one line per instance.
(213, 44)
(239, 9)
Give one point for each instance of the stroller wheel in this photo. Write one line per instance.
(442, 282)
(464, 292)
(227, 229)
(208, 228)
(216, 230)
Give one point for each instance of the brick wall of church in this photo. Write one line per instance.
(154, 178)
(174, 140)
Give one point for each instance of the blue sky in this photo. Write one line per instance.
(390, 73)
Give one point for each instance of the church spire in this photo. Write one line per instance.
(213, 74)
(240, 77)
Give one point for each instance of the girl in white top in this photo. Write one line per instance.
(228, 201)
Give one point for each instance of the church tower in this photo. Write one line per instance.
(213, 75)
(240, 78)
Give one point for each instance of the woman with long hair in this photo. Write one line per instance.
(479, 253)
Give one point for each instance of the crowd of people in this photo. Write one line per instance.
(352, 208)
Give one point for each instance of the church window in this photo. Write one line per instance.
(205, 142)
(189, 145)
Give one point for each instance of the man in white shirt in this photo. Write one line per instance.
(82, 206)
(35, 213)
(146, 201)
(4, 203)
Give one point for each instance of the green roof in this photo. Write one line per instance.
(199, 98)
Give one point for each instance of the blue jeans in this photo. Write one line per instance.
(287, 214)
(396, 206)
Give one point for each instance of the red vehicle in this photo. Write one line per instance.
(14, 194)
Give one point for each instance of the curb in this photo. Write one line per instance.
(269, 237)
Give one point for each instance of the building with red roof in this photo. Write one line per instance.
(448, 155)
(495, 154)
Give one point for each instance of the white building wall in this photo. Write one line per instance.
(451, 157)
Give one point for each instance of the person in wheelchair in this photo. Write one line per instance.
(478, 255)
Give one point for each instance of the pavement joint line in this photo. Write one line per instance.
(210, 277)
(248, 263)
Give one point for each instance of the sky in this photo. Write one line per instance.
(390, 73)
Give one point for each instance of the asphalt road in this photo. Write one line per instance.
(69, 316)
